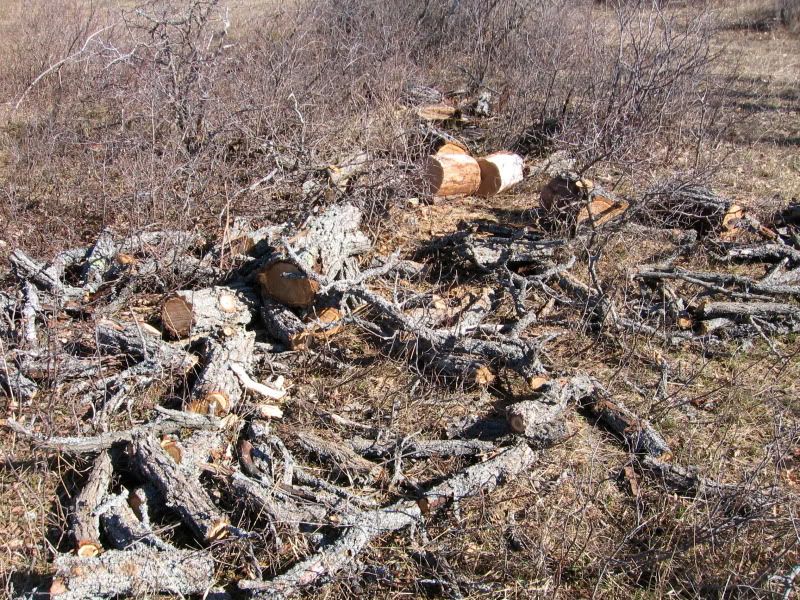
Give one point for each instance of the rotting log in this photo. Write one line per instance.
(139, 572)
(85, 523)
(499, 172)
(180, 489)
(446, 175)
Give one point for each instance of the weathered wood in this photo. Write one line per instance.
(638, 433)
(15, 383)
(499, 172)
(750, 288)
(218, 389)
(366, 526)
(180, 488)
(283, 325)
(337, 454)
(85, 522)
(139, 572)
(124, 530)
(341, 173)
(447, 175)
(135, 342)
(763, 253)
(679, 204)
(220, 308)
(744, 310)
(46, 277)
(418, 449)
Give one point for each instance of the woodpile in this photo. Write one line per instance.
(227, 449)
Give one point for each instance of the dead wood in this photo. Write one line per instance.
(15, 383)
(46, 277)
(683, 205)
(283, 325)
(716, 282)
(218, 388)
(180, 488)
(762, 253)
(125, 530)
(139, 344)
(570, 200)
(410, 447)
(337, 454)
(85, 520)
(738, 311)
(140, 571)
(173, 421)
(365, 527)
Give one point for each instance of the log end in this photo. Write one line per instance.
(451, 175)
(58, 587)
(228, 303)
(517, 423)
(170, 445)
(218, 530)
(437, 112)
(285, 282)
(483, 376)
(88, 549)
(176, 316)
(214, 403)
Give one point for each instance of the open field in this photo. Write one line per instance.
(220, 121)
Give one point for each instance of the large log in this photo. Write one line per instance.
(499, 171)
(141, 572)
(451, 175)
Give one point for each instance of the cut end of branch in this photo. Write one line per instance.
(285, 282)
(88, 549)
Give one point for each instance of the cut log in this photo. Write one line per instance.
(85, 521)
(141, 572)
(176, 317)
(570, 199)
(451, 148)
(180, 489)
(286, 283)
(743, 310)
(283, 325)
(684, 205)
(437, 112)
(218, 389)
(451, 175)
(327, 244)
(499, 171)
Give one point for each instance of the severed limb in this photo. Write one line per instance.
(85, 520)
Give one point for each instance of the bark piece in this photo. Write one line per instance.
(85, 520)
(499, 172)
(180, 488)
(448, 175)
(140, 572)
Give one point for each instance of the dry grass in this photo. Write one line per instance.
(83, 152)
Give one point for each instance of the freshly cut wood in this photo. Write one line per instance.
(212, 309)
(499, 171)
(437, 112)
(451, 148)
(328, 245)
(176, 317)
(569, 198)
(286, 283)
(181, 490)
(452, 175)
(139, 572)
(85, 521)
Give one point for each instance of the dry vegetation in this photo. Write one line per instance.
(209, 117)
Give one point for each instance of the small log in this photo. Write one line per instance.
(683, 205)
(140, 572)
(499, 171)
(451, 175)
(130, 339)
(85, 522)
(283, 325)
(327, 244)
(750, 288)
(285, 282)
(763, 253)
(180, 488)
(568, 198)
(218, 389)
(638, 433)
(437, 112)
